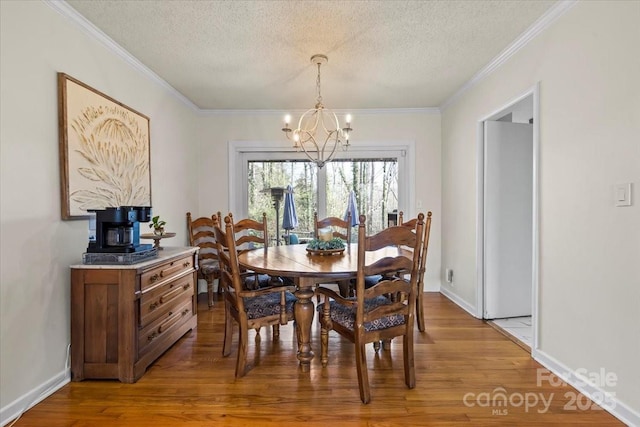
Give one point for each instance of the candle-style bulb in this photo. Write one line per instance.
(348, 119)
(287, 119)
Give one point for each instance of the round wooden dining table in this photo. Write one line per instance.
(308, 269)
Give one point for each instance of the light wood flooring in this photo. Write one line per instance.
(458, 359)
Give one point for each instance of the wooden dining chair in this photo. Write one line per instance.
(341, 229)
(250, 309)
(201, 234)
(372, 316)
(251, 234)
(422, 266)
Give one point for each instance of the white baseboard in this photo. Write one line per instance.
(458, 301)
(610, 404)
(33, 397)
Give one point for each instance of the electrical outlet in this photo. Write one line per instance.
(449, 275)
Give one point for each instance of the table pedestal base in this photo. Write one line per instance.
(303, 311)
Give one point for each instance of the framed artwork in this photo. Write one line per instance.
(104, 151)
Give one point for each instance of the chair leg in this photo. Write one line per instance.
(409, 365)
(324, 346)
(420, 310)
(276, 332)
(210, 292)
(228, 333)
(242, 352)
(363, 375)
(325, 323)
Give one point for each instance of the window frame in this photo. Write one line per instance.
(241, 152)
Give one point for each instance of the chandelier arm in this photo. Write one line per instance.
(311, 140)
(333, 149)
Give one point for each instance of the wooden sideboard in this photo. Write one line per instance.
(123, 317)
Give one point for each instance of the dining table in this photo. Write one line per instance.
(308, 268)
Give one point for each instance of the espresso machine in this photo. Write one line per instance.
(117, 229)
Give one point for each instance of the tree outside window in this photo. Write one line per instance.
(374, 181)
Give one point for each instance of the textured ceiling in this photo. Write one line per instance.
(255, 54)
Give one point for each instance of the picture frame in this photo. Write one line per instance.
(104, 151)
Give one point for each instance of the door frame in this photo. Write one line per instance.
(480, 243)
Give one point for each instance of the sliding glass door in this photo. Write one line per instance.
(379, 180)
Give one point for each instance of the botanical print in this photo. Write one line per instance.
(107, 152)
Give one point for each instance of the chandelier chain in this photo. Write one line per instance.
(319, 98)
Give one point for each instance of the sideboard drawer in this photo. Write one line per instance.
(153, 303)
(165, 271)
(161, 326)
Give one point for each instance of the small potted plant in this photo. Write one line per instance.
(158, 225)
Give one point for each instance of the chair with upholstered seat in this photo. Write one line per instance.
(251, 234)
(201, 234)
(371, 316)
(422, 266)
(339, 228)
(250, 309)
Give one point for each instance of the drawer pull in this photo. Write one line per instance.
(152, 336)
(173, 293)
(186, 264)
(153, 305)
(172, 321)
(154, 278)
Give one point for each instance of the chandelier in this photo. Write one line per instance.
(318, 133)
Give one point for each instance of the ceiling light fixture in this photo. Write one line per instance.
(318, 133)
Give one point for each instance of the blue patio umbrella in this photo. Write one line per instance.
(289, 218)
(352, 206)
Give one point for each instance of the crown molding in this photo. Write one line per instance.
(359, 112)
(88, 28)
(530, 33)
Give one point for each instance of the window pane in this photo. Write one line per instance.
(301, 175)
(375, 183)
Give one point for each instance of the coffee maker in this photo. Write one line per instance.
(117, 229)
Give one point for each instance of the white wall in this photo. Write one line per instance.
(36, 245)
(423, 128)
(588, 67)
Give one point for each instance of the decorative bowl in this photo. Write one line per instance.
(322, 252)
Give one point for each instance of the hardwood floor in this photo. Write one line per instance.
(461, 365)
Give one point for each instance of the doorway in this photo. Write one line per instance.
(507, 162)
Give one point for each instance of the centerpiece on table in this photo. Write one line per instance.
(325, 244)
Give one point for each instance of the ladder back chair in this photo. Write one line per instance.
(422, 266)
(250, 309)
(201, 234)
(251, 234)
(341, 229)
(372, 316)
